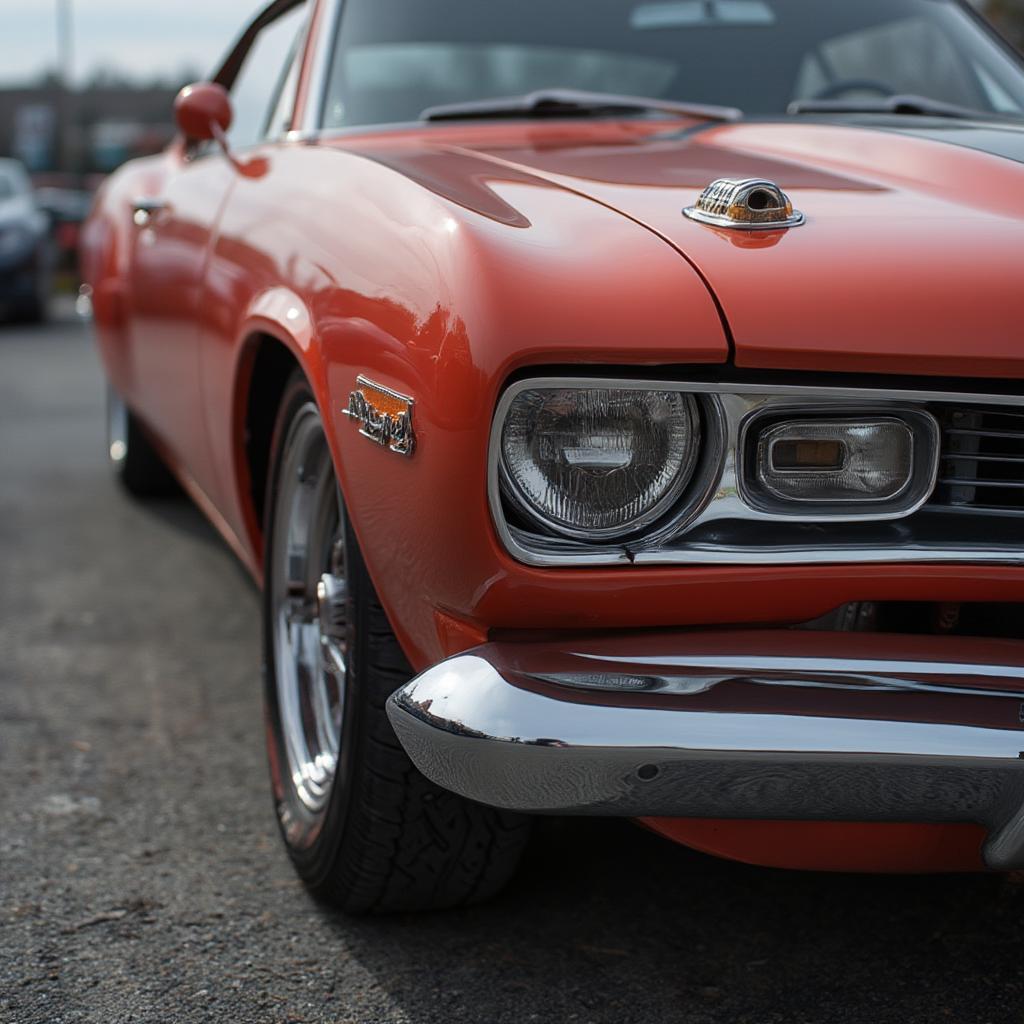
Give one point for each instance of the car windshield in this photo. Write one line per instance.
(393, 58)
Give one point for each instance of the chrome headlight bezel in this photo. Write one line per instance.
(676, 494)
(715, 522)
(924, 468)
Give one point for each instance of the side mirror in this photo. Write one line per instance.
(203, 111)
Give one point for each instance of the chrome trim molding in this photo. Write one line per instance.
(722, 505)
(792, 554)
(320, 67)
(768, 734)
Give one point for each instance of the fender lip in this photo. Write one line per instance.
(752, 725)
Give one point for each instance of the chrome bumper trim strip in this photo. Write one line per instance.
(927, 729)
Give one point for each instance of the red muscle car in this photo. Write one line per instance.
(620, 407)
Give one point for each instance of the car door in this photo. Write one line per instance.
(174, 228)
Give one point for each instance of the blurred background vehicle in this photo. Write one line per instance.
(26, 247)
(66, 208)
(83, 88)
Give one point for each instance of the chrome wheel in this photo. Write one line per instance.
(131, 454)
(309, 605)
(117, 428)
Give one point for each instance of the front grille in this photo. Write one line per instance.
(982, 460)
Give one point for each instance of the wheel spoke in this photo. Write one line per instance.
(311, 608)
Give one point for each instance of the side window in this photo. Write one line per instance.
(288, 87)
(259, 94)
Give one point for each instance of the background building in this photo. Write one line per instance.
(86, 131)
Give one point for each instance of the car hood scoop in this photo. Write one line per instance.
(908, 262)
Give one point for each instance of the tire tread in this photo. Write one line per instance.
(411, 844)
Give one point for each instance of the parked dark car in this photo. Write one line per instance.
(26, 247)
(67, 209)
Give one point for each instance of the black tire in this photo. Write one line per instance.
(35, 309)
(134, 460)
(387, 838)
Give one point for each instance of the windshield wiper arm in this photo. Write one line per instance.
(573, 103)
(902, 103)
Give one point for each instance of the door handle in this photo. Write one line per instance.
(146, 208)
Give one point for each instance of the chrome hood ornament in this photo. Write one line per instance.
(752, 205)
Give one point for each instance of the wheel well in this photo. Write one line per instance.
(272, 366)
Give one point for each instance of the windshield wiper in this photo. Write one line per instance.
(573, 103)
(902, 103)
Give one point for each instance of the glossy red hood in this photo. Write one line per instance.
(910, 260)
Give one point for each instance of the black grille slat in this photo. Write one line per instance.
(974, 457)
(981, 463)
(972, 482)
(992, 414)
(1005, 435)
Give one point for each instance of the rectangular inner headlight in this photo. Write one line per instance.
(833, 465)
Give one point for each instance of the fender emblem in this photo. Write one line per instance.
(384, 415)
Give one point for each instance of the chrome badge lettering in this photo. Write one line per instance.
(384, 415)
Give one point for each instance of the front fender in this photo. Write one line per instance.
(446, 305)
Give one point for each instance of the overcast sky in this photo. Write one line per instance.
(144, 38)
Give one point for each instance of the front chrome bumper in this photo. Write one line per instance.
(769, 724)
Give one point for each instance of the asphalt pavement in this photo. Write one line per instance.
(142, 879)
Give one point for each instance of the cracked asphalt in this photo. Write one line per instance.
(141, 877)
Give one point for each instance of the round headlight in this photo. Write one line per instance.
(596, 463)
